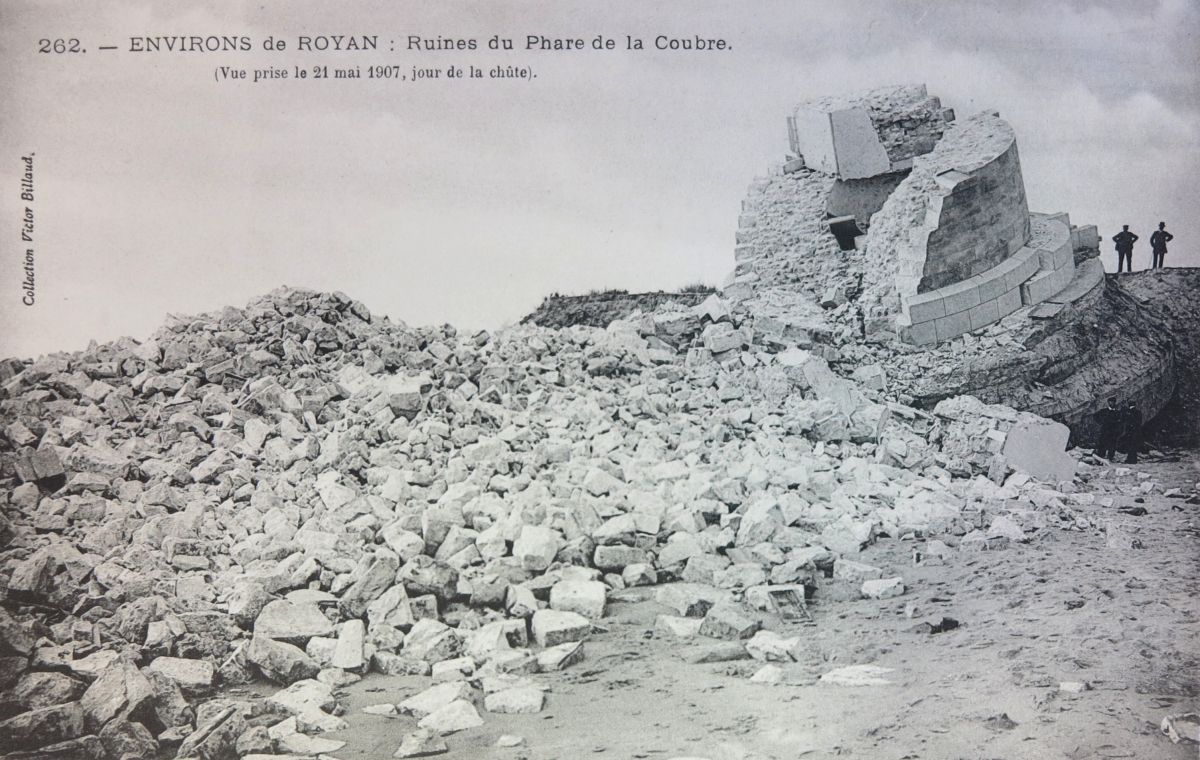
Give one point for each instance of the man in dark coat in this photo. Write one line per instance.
(1131, 437)
(1125, 240)
(1158, 245)
(1109, 419)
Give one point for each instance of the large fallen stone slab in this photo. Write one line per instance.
(1038, 446)
(293, 622)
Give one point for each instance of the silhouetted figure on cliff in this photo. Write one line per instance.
(1158, 245)
(1131, 436)
(1125, 240)
(1110, 419)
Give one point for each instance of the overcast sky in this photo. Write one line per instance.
(161, 190)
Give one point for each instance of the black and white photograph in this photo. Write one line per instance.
(556, 379)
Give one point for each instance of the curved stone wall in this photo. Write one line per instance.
(1035, 273)
(980, 220)
(960, 212)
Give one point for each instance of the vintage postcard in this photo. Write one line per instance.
(553, 380)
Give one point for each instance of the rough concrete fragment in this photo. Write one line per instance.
(348, 655)
(433, 641)
(457, 669)
(216, 737)
(279, 661)
(422, 743)
(425, 575)
(768, 674)
(689, 599)
(769, 646)
(885, 588)
(560, 656)
(128, 740)
(293, 622)
(857, 675)
(725, 651)
(38, 728)
(307, 700)
(246, 601)
(459, 715)
(519, 701)
(375, 577)
(1183, 728)
(588, 598)
(121, 690)
(728, 620)
(678, 627)
(193, 676)
(617, 557)
(1005, 527)
(434, 697)
(308, 746)
(552, 627)
(856, 572)
(846, 535)
(15, 638)
(42, 689)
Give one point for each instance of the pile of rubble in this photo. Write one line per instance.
(302, 492)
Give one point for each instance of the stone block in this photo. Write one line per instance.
(435, 697)
(731, 621)
(1046, 310)
(677, 627)
(536, 546)
(456, 716)
(588, 598)
(1038, 446)
(560, 656)
(41, 727)
(1087, 236)
(1027, 264)
(192, 676)
(768, 646)
(992, 284)
(348, 654)
(422, 743)
(952, 326)
(960, 296)
(278, 661)
(617, 557)
(1036, 289)
(47, 467)
(983, 315)
(294, 622)
(553, 627)
(1084, 278)
(921, 334)
(519, 700)
(924, 307)
(1008, 302)
(856, 145)
(814, 139)
(856, 572)
(882, 588)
